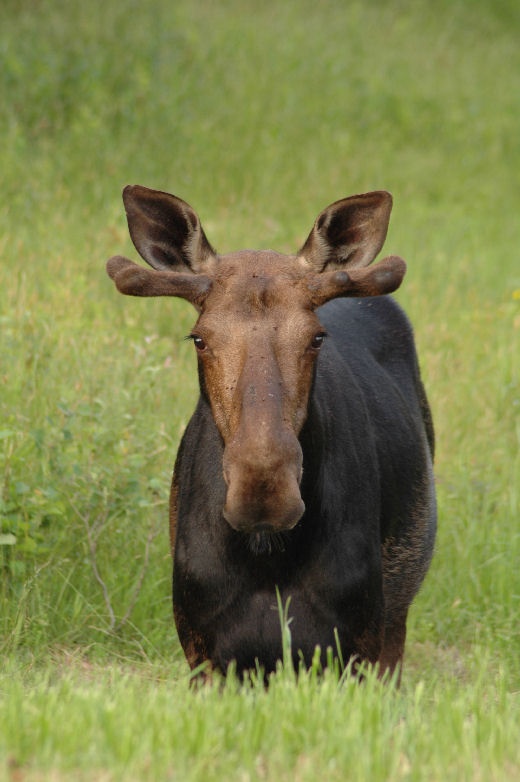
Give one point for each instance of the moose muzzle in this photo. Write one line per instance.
(263, 484)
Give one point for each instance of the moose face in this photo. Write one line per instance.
(257, 340)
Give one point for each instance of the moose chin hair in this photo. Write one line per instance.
(265, 543)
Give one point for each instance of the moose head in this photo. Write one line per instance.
(258, 334)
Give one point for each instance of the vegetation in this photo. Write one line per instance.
(259, 115)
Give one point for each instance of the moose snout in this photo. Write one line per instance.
(263, 488)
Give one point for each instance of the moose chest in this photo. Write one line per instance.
(245, 625)
(232, 598)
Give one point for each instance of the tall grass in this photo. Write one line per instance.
(259, 115)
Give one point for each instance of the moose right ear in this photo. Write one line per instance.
(166, 231)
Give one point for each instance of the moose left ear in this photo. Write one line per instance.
(348, 233)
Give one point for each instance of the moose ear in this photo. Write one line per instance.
(348, 233)
(166, 231)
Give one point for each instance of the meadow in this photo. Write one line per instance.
(259, 115)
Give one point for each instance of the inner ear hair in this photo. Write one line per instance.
(166, 231)
(349, 233)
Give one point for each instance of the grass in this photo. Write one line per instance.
(259, 116)
(292, 731)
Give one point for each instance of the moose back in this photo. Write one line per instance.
(307, 464)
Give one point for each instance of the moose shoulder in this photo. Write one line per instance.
(307, 464)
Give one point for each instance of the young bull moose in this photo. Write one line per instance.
(307, 464)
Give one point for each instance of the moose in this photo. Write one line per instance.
(305, 473)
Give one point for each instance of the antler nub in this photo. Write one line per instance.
(134, 280)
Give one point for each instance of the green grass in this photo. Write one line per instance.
(293, 731)
(259, 115)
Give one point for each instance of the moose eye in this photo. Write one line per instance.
(199, 343)
(318, 340)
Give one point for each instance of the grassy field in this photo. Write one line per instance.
(259, 115)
